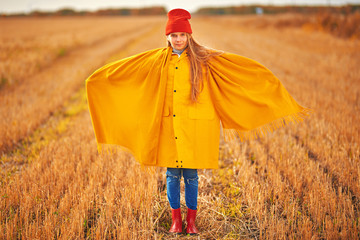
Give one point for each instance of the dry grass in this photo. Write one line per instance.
(340, 25)
(45, 91)
(28, 48)
(300, 182)
(345, 26)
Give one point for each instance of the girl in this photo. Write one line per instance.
(165, 105)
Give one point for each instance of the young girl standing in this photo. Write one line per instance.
(165, 105)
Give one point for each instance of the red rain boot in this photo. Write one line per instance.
(176, 226)
(190, 219)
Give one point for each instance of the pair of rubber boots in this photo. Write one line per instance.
(176, 226)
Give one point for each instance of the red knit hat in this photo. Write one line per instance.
(178, 21)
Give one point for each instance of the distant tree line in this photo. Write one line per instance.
(102, 12)
(253, 9)
(235, 10)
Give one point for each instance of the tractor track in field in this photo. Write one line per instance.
(30, 104)
(21, 152)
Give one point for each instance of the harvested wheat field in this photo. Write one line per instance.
(302, 181)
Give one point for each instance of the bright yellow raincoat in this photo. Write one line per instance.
(189, 133)
(143, 103)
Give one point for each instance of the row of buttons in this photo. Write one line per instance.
(178, 165)
(176, 137)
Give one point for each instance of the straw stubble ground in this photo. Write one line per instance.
(300, 182)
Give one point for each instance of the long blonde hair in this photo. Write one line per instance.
(198, 56)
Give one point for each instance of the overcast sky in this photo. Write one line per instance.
(13, 6)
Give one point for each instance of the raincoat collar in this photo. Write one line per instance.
(180, 52)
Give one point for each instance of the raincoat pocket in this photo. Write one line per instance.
(201, 111)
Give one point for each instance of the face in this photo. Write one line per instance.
(178, 40)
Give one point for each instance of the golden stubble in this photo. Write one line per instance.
(301, 181)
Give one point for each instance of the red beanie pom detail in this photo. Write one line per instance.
(178, 21)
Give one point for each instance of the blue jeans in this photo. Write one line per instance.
(191, 180)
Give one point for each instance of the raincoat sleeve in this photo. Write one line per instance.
(125, 100)
(248, 97)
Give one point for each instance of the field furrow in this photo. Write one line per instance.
(32, 101)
